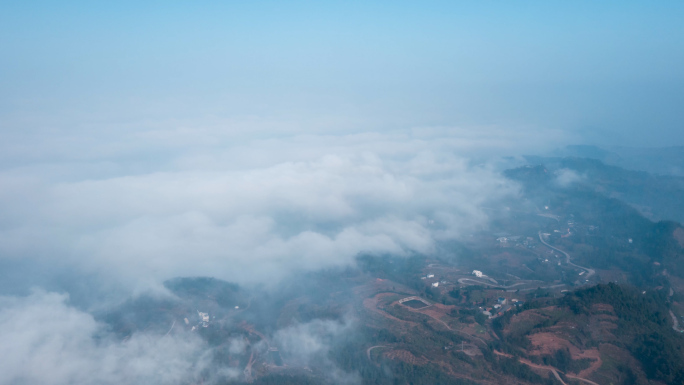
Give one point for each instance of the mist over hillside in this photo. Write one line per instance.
(341, 193)
(659, 160)
(292, 262)
(657, 197)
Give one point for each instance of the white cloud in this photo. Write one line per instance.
(565, 177)
(218, 203)
(310, 342)
(139, 207)
(306, 342)
(45, 341)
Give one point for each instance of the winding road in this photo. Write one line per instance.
(509, 289)
(675, 323)
(172, 325)
(368, 351)
(462, 281)
(555, 217)
(589, 271)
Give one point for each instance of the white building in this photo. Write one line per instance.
(435, 284)
(431, 276)
(477, 273)
(204, 317)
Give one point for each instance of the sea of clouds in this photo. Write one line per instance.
(144, 206)
(129, 207)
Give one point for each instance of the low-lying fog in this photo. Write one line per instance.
(83, 234)
(270, 146)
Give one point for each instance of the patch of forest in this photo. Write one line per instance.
(643, 328)
(616, 220)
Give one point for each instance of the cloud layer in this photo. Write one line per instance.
(46, 341)
(250, 211)
(103, 214)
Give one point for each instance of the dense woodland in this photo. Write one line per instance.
(644, 329)
(590, 202)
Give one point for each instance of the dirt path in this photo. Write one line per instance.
(544, 367)
(252, 358)
(592, 354)
(581, 379)
(248, 369)
(436, 318)
(462, 282)
(556, 217)
(533, 365)
(368, 351)
(543, 287)
(509, 289)
(372, 305)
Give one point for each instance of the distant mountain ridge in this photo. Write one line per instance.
(658, 197)
(660, 161)
(605, 196)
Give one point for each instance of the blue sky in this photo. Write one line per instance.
(608, 73)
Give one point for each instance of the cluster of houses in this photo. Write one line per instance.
(517, 240)
(434, 284)
(204, 320)
(500, 307)
(544, 260)
(204, 317)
